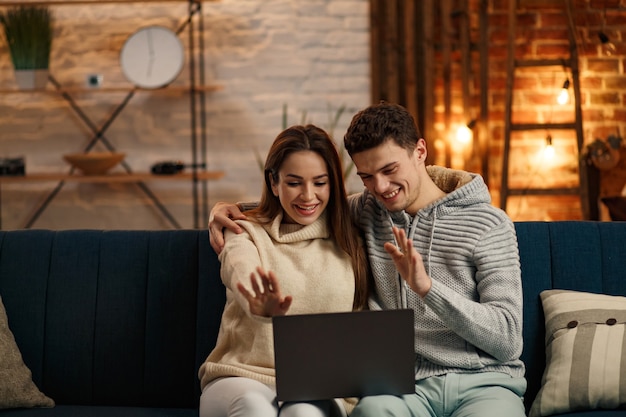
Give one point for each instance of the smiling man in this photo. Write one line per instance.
(437, 245)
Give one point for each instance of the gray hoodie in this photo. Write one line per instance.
(471, 319)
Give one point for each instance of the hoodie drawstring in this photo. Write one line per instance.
(432, 237)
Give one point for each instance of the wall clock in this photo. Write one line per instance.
(152, 57)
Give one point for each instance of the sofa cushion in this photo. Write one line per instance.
(585, 353)
(17, 390)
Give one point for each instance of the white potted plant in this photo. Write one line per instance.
(28, 31)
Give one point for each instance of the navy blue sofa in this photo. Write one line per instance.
(112, 323)
(116, 323)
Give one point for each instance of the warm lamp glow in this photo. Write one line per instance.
(563, 97)
(464, 135)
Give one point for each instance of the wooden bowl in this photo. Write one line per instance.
(94, 163)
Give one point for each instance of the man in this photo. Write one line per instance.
(438, 246)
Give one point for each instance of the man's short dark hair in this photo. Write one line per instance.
(378, 123)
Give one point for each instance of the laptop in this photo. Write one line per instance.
(338, 355)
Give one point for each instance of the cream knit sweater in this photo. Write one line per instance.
(309, 266)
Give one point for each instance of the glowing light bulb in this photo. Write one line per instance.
(563, 97)
(464, 134)
(608, 47)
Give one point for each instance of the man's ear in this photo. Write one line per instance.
(421, 151)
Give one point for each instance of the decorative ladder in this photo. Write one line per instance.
(512, 65)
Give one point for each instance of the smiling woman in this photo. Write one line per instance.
(298, 253)
(302, 187)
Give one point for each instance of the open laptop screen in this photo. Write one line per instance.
(351, 354)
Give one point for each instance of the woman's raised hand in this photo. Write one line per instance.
(266, 299)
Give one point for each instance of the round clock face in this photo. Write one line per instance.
(152, 57)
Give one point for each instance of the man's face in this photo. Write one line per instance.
(392, 175)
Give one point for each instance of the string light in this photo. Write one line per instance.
(563, 97)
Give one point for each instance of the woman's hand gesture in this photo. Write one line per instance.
(266, 301)
(409, 262)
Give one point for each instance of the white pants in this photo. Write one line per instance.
(244, 397)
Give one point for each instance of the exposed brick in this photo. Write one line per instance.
(553, 50)
(619, 115)
(605, 98)
(591, 115)
(615, 82)
(591, 83)
(602, 84)
(552, 20)
(609, 65)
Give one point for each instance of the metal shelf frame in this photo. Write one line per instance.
(194, 24)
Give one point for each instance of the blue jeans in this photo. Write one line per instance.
(488, 394)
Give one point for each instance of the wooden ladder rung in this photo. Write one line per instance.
(542, 126)
(545, 191)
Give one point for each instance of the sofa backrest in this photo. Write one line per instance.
(112, 317)
(98, 314)
(571, 255)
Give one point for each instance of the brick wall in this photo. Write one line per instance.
(542, 34)
(312, 55)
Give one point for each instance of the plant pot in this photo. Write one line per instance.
(31, 79)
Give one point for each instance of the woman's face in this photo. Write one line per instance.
(303, 187)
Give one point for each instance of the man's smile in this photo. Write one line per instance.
(391, 194)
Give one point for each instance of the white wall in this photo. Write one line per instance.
(312, 55)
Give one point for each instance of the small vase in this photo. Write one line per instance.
(31, 79)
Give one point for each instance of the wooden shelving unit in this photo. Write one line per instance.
(82, 90)
(83, 2)
(196, 88)
(112, 178)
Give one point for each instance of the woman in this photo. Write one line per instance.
(298, 253)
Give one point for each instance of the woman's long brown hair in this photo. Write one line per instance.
(340, 225)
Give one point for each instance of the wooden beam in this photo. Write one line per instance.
(466, 72)
(410, 57)
(428, 79)
(445, 8)
(112, 177)
(483, 131)
(391, 45)
(375, 49)
(508, 105)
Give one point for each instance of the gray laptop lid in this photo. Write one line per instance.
(336, 355)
